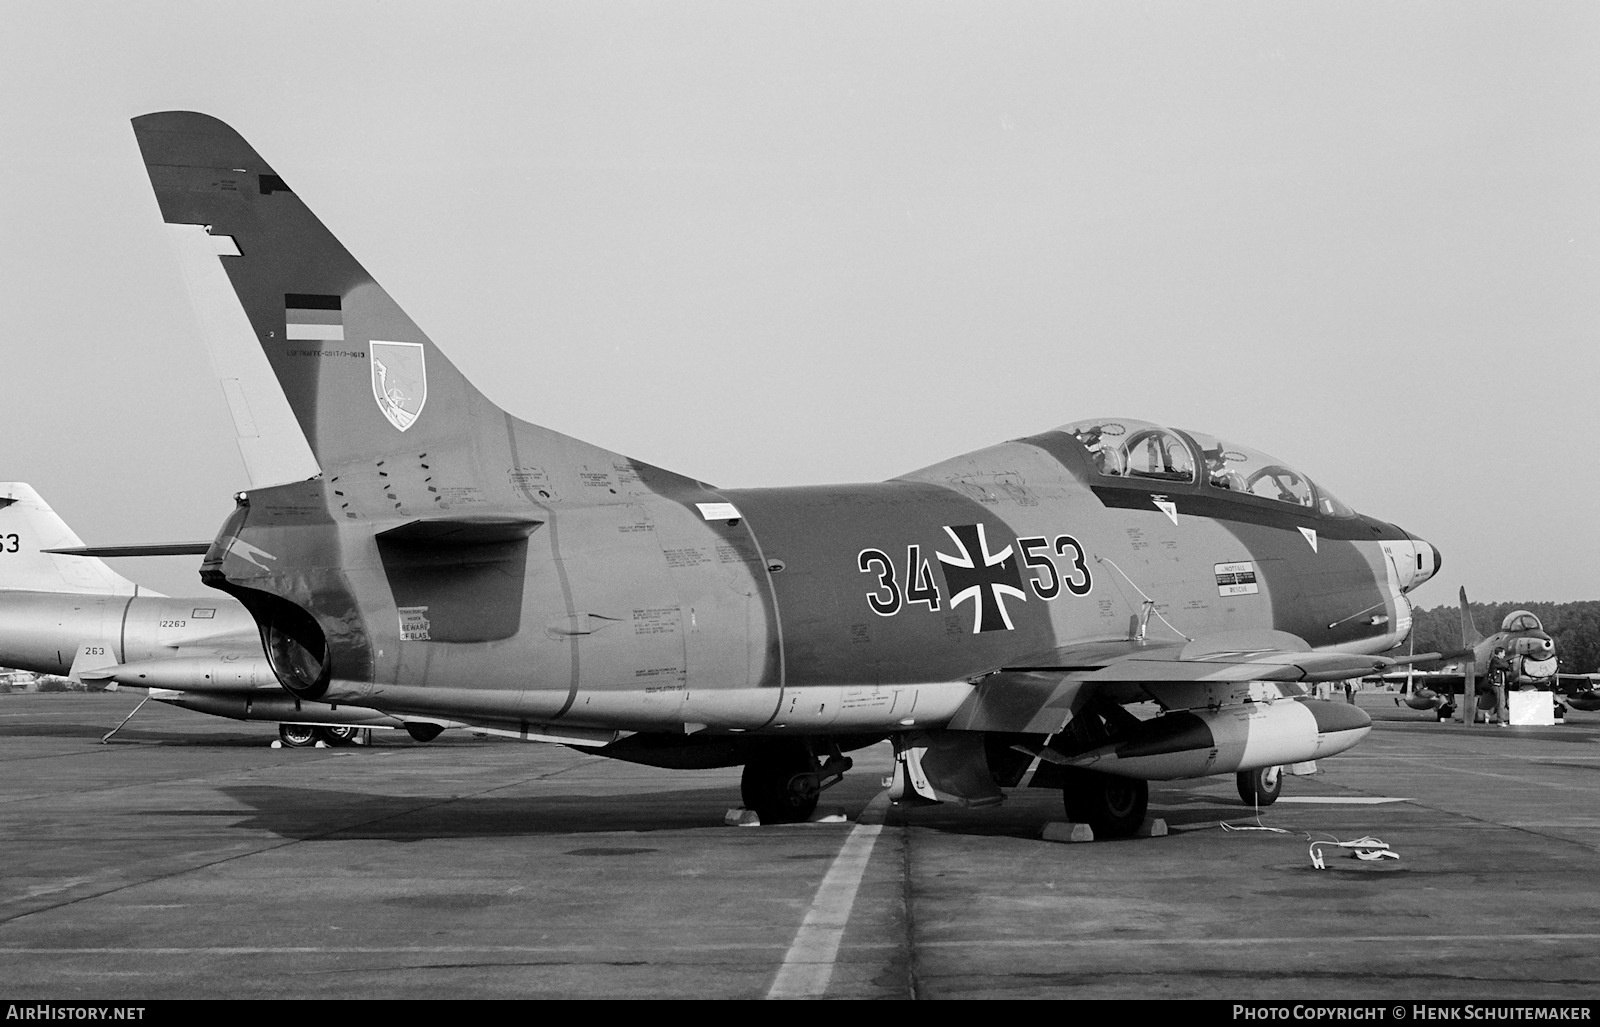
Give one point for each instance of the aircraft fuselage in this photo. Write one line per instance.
(636, 604)
(43, 631)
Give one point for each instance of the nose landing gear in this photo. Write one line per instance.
(1260, 787)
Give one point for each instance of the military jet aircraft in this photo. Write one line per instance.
(1529, 651)
(63, 611)
(996, 616)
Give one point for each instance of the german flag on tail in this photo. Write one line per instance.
(313, 317)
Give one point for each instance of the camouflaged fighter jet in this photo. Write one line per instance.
(64, 611)
(1530, 655)
(1004, 617)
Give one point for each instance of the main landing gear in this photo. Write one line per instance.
(301, 736)
(782, 784)
(1113, 806)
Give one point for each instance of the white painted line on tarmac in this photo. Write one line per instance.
(808, 965)
(1583, 788)
(1319, 800)
(1342, 800)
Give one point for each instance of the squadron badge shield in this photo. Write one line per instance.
(399, 381)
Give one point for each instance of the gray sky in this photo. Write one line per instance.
(784, 243)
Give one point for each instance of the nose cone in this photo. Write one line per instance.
(1339, 725)
(1425, 563)
(1336, 717)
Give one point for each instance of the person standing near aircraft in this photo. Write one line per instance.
(1499, 670)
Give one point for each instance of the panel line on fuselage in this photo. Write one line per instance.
(553, 529)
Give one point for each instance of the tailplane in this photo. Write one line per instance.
(28, 528)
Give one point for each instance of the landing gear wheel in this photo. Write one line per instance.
(782, 786)
(297, 736)
(1113, 806)
(423, 732)
(341, 735)
(1260, 787)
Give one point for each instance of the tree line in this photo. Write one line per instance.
(1575, 627)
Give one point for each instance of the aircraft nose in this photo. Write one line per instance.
(1425, 563)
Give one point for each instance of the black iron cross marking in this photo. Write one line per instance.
(982, 577)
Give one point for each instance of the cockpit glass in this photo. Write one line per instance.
(1245, 470)
(1134, 449)
(1521, 620)
(1121, 448)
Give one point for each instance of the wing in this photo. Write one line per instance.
(1438, 680)
(1039, 694)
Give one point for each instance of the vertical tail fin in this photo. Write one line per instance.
(357, 371)
(28, 527)
(1470, 635)
(380, 406)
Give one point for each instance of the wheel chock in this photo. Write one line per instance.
(835, 817)
(277, 743)
(1156, 828)
(1060, 831)
(742, 818)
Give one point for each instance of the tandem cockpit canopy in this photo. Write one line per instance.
(1122, 448)
(1521, 620)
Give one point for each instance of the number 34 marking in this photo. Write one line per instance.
(889, 598)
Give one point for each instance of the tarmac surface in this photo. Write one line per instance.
(189, 859)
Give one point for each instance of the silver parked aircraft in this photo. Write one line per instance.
(65, 612)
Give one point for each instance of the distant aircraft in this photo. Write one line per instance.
(70, 614)
(993, 615)
(1529, 650)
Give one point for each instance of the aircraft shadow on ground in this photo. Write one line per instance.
(225, 737)
(1026, 811)
(311, 814)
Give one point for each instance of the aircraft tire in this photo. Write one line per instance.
(1113, 806)
(341, 735)
(297, 736)
(423, 732)
(782, 787)
(1260, 787)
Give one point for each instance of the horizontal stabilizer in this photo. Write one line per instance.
(150, 549)
(462, 531)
